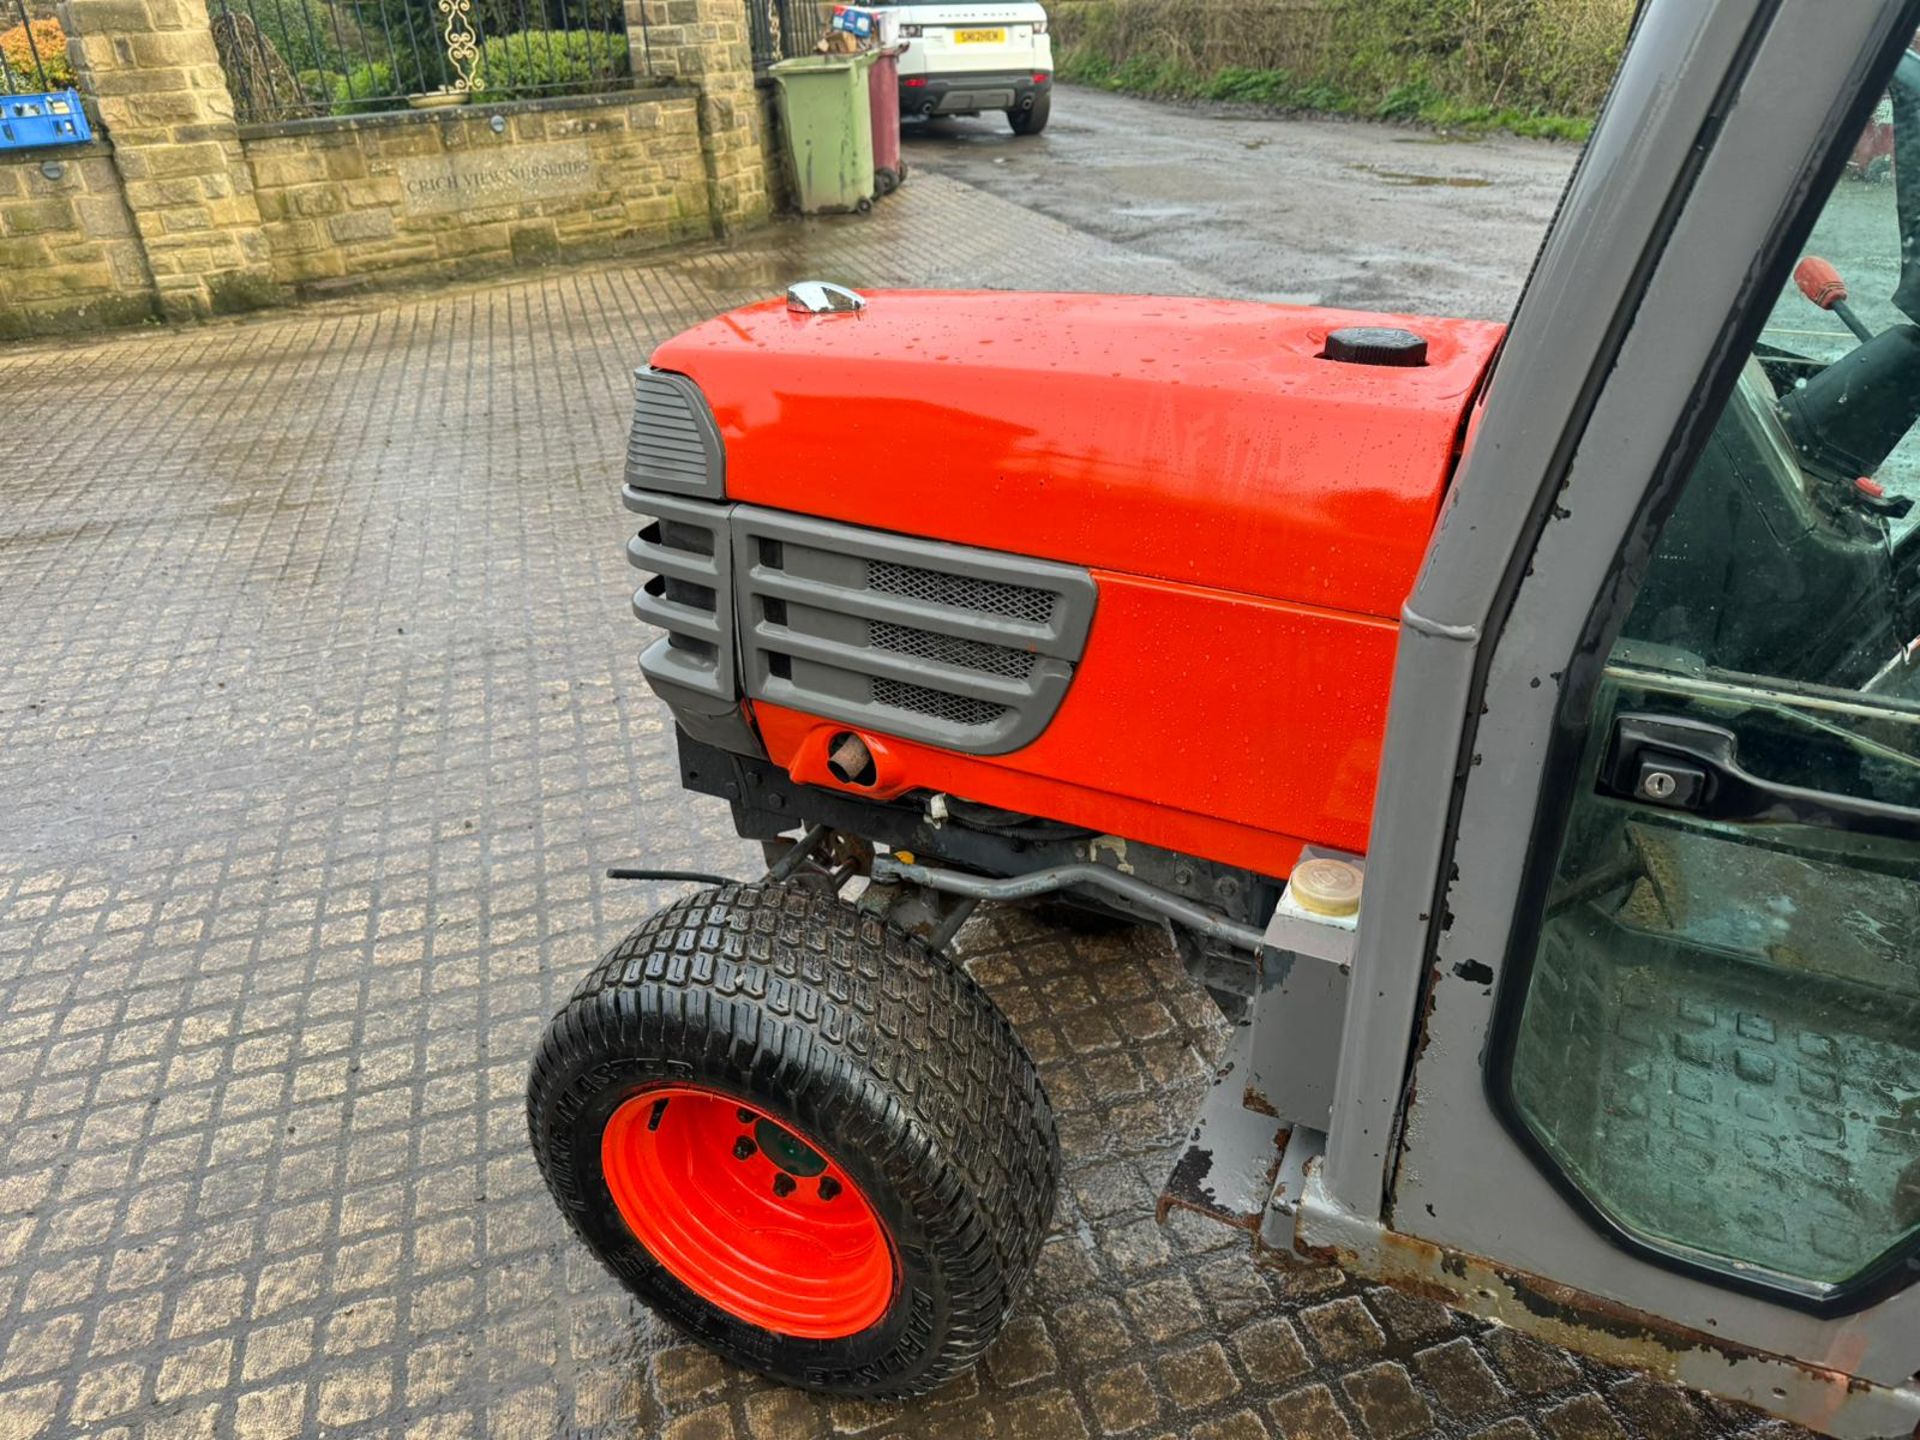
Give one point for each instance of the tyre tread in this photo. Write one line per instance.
(817, 1001)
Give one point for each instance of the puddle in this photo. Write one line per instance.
(1409, 177)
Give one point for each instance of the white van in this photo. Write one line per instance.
(965, 59)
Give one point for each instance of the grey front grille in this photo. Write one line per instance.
(962, 592)
(968, 649)
(951, 650)
(688, 594)
(954, 709)
(673, 445)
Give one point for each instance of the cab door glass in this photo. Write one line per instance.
(1716, 1040)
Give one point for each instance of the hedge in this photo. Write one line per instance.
(546, 62)
(1534, 66)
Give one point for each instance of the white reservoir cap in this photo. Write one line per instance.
(1325, 887)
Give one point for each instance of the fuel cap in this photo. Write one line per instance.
(1375, 345)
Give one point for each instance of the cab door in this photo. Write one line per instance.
(1709, 1039)
(1636, 1011)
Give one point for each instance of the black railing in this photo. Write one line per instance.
(782, 29)
(292, 59)
(33, 50)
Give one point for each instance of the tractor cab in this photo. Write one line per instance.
(1516, 729)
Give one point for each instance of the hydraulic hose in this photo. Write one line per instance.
(1064, 877)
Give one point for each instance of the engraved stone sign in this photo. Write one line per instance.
(496, 175)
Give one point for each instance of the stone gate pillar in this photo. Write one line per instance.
(705, 43)
(151, 67)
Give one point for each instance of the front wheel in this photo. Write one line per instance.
(1033, 120)
(801, 1135)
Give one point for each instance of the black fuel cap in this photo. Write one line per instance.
(1376, 345)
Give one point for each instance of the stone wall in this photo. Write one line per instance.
(152, 73)
(178, 212)
(423, 193)
(68, 252)
(705, 43)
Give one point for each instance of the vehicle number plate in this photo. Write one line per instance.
(979, 37)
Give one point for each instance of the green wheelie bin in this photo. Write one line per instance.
(827, 116)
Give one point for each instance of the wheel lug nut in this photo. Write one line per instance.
(783, 1184)
(829, 1187)
(743, 1148)
(746, 1116)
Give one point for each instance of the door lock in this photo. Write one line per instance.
(1668, 780)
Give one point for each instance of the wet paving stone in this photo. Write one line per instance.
(1123, 1399)
(1390, 1408)
(1461, 1377)
(319, 723)
(1310, 1414)
(1270, 1351)
(1343, 1329)
(1531, 1367)
(1584, 1417)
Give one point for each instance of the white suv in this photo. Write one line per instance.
(963, 59)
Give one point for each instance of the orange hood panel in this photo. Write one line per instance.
(1198, 441)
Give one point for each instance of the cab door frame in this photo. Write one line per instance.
(1722, 135)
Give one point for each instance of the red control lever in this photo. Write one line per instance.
(1821, 284)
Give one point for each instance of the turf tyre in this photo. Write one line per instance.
(859, 1036)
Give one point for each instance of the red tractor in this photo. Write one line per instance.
(1587, 643)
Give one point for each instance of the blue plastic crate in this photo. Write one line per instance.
(55, 118)
(858, 23)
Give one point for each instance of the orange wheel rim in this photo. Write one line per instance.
(747, 1213)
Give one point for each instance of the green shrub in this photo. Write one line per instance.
(1250, 87)
(546, 62)
(364, 88)
(319, 87)
(405, 35)
(309, 34)
(1407, 102)
(510, 17)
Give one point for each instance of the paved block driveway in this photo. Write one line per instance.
(318, 718)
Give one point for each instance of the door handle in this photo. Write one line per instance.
(1692, 766)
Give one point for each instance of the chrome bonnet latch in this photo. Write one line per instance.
(822, 297)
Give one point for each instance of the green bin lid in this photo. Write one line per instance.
(801, 64)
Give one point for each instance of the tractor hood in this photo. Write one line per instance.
(1204, 442)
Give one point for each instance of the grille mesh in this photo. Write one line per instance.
(955, 709)
(951, 650)
(961, 592)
